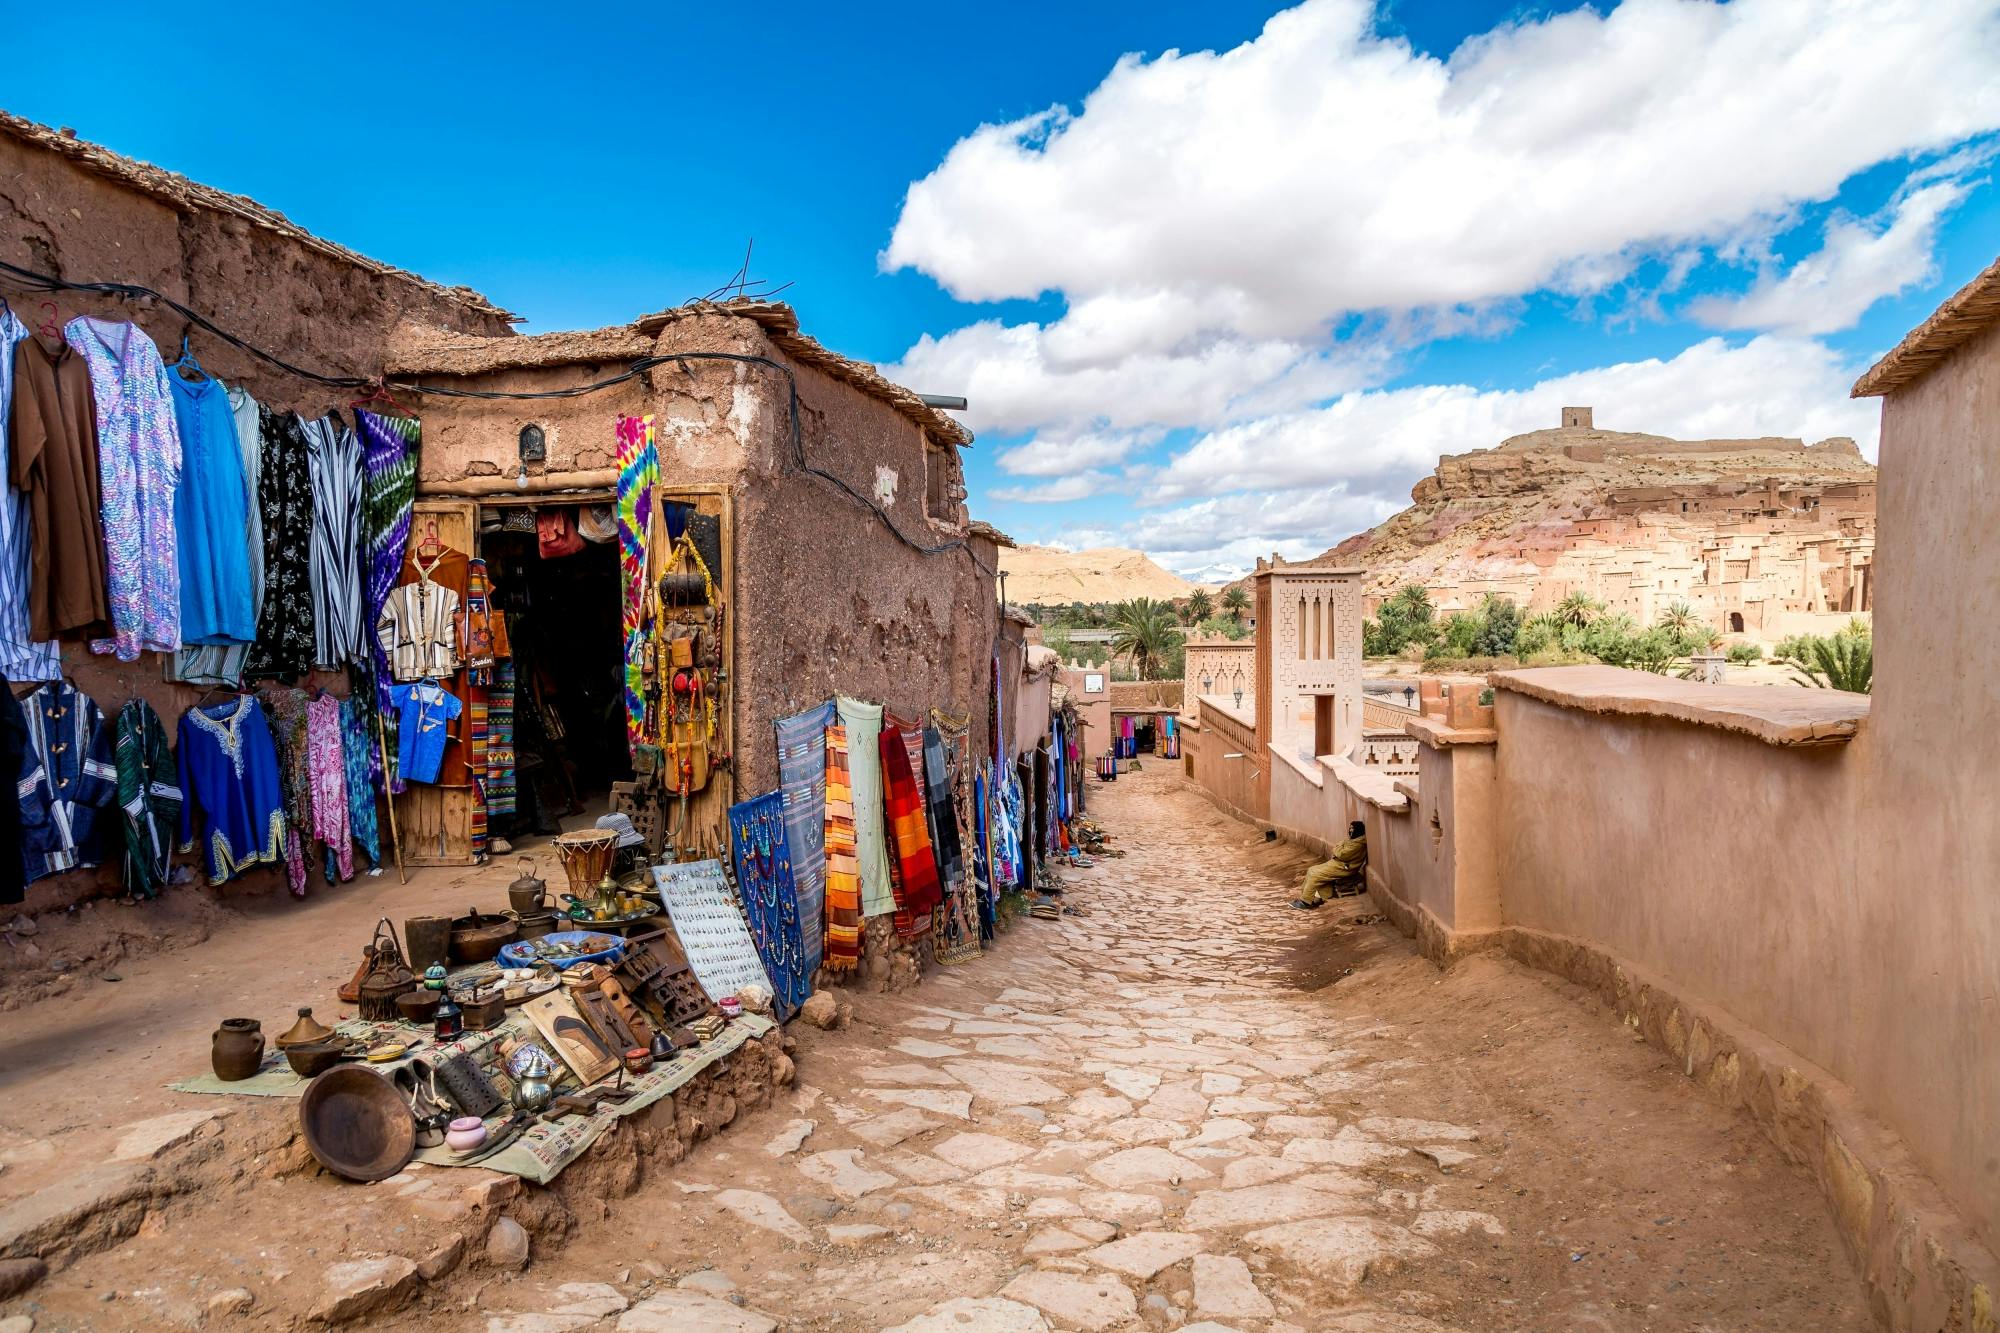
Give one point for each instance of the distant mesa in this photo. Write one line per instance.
(1043, 575)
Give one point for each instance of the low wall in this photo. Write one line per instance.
(1232, 783)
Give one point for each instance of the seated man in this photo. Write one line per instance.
(1341, 876)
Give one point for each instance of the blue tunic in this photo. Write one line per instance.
(212, 518)
(229, 770)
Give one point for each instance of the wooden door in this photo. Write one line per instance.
(434, 824)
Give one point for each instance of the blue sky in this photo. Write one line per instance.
(1259, 267)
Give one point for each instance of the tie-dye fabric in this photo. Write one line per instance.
(357, 748)
(389, 465)
(638, 469)
(139, 466)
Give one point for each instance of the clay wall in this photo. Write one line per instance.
(303, 300)
(1240, 785)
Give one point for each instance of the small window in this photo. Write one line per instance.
(941, 484)
(1093, 682)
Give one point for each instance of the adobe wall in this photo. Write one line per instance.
(1929, 1034)
(293, 299)
(1242, 785)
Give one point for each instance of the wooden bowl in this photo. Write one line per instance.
(356, 1124)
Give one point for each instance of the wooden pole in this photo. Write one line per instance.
(395, 842)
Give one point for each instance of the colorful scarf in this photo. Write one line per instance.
(332, 815)
(638, 470)
(802, 782)
(764, 878)
(357, 747)
(909, 829)
(389, 468)
(500, 797)
(863, 724)
(149, 796)
(843, 871)
(478, 723)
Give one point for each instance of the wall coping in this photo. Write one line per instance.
(1773, 714)
(1241, 717)
(1376, 788)
(1437, 735)
(1307, 769)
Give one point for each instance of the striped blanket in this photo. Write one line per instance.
(389, 488)
(802, 780)
(638, 470)
(909, 830)
(843, 869)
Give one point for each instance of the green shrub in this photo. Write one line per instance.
(1745, 654)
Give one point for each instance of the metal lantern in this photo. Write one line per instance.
(534, 445)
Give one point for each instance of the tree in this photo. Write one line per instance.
(1406, 617)
(1236, 602)
(1200, 606)
(1680, 619)
(1579, 609)
(1224, 627)
(1500, 625)
(1144, 631)
(1843, 662)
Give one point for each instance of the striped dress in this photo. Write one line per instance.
(337, 483)
(389, 471)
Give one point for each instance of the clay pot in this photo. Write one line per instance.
(314, 1058)
(638, 1060)
(427, 940)
(419, 1006)
(466, 1133)
(305, 1032)
(237, 1049)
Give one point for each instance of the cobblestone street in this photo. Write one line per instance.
(1169, 1110)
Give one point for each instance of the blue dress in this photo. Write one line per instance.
(212, 518)
(229, 771)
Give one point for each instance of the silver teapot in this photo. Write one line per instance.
(533, 1088)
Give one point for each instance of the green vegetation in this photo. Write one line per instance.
(1224, 627)
(1843, 660)
(1406, 618)
(1745, 654)
(1198, 607)
(1145, 632)
(1578, 630)
(1236, 602)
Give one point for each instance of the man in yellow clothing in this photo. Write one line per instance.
(1341, 876)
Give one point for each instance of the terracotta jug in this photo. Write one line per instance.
(237, 1049)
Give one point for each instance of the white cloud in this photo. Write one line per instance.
(1059, 455)
(1076, 486)
(1769, 386)
(1320, 169)
(1858, 263)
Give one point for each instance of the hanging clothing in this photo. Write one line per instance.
(909, 829)
(424, 709)
(290, 731)
(357, 746)
(418, 630)
(22, 656)
(285, 634)
(211, 517)
(149, 797)
(389, 472)
(139, 473)
(863, 722)
(222, 664)
(770, 903)
(229, 776)
(482, 638)
(942, 810)
(449, 569)
(52, 459)
(328, 779)
(555, 533)
(67, 776)
(843, 872)
(802, 781)
(334, 454)
(13, 747)
(638, 470)
(475, 761)
(502, 800)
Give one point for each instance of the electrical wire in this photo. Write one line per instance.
(132, 291)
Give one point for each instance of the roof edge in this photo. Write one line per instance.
(1964, 314)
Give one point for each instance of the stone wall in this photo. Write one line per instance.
(1240, 785)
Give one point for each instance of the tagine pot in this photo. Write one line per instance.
(237, 1049)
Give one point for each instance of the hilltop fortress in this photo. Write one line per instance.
(1762, 537)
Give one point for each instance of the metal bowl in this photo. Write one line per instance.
(357, 1124)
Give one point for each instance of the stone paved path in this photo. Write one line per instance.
(1132, 1119)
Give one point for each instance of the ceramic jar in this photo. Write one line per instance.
(466, 1133)
(237, 1049)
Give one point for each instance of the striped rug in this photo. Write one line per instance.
(843, 868)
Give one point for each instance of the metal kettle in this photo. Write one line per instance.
(527, 894)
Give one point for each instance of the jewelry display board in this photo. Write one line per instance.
(710, 927)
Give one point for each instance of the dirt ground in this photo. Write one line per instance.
(1186, 1106)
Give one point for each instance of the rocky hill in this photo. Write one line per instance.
(1043, 575)
(1744, 529)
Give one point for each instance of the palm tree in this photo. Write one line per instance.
(1843, 662)
(1679, 620)
(1236, 602)
(1579, 609)
(1145, 632)
(1200, 606)
(1414, 599)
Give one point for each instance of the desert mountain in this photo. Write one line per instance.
(1744, 530)
(1044, 575)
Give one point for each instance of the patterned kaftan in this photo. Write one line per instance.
(339, 631)
(284, 647)
(329, 786)
(357, 746)
(286, 709)
(149, 796)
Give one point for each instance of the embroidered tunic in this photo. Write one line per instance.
(284, 646)
(229, 773)
(389, 466)
(212, 518)
(419, 631)
(337, 481)
(139, 470)
(13, 745)
(149, 797)
(22, 657)
(66, 777)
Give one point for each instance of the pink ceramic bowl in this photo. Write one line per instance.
(465, 1133)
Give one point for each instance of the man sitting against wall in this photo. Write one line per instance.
(1341, 877)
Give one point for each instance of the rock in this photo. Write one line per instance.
(444, 1259)
(18, 1323)
(17, 1275)
(1215, 1085)
(1138, 1084)
(147, 1139)
(597, 1300)
(1342, 1251)
(1446, 1158)
(360, 1287)
(692, 1312)
(955, 1104)
(507, 1244)
(821, 1010)
(1399, 1129)
(926, 1050)
(817, 1207)
(1223, 1286)
(710, 1281)
(1258, 1171)
(236, 1300)
(1145, 1166)
(990, 1314)
(1054, 1240)
(1457, 1224)
(490, 1189)
(1147, 1252)
(886, 1131)
(855, 1233)
(1088, 1303)
(980, 1152)
(1259, 1204)
(761, 1210)
(538, 1323)
(843, 1172)
(791, 1138)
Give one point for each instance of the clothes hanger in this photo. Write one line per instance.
(189, 368)
(49, 328)
(379, 393)
(430, 547)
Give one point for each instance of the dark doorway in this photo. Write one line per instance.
(1735, 622)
